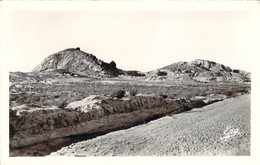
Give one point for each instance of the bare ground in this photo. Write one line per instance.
(222, 128)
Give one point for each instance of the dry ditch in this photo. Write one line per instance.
(40, 132)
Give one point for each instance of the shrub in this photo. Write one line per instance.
(229, 94)
(161, 73)
(119, 94)
(12, 130)
(243, 91)
(63, 105)
(56, 96)
(134, 73)
(236, 71)
(12, 113)
(186, 108)
(163, 96)
(204, 94)
(133, 92)
(197, 104)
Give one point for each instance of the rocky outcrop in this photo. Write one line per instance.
(199, 70)
(76, 62)
(71, 60)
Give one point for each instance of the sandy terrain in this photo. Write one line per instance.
(222, 128)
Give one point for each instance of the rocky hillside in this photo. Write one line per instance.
(77, 62)
(199, 70)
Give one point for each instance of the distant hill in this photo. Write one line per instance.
(200, 70)
(75, 62)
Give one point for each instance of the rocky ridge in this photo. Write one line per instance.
(199, 70)
(78, 63)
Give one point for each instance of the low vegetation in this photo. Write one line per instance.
(161, 73)
(43, 94)
(118, 94)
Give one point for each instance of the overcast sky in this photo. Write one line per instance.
(135, 40)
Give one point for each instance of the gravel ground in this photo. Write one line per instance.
(222, 128)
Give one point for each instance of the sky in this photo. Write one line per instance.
(134, 39)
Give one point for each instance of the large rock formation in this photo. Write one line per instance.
(75, 61)
(199, 70)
